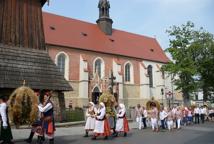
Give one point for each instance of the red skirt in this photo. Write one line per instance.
(125, 124)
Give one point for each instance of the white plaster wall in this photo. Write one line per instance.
(116, 70)
(83, 84)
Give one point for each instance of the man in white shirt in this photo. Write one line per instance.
(144, 117)
(196, 113)
(203, 113)
(163, 115)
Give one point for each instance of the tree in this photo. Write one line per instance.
(203, 46)
(192, 53)
(182, 64)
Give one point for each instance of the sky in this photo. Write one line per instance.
(145, 17)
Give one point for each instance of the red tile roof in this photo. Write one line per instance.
(63, 31)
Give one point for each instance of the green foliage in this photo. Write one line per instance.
(192, 58)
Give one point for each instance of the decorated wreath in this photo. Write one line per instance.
(109, 100)
(23, 106)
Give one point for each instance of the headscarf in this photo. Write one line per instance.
(123, 108)
(91, 104)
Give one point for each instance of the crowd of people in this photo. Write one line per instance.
(99, 123)
(171, 118)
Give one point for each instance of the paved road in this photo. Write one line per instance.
(197, 134)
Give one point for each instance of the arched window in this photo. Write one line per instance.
(150, 75)
(99, 67)
(127, 72)
(62, 62)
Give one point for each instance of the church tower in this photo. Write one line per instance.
(104, 22)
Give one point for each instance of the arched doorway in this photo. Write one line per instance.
(96, 95)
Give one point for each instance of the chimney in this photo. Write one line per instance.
(21, 23)
(104, 22)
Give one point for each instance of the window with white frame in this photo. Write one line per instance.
(99, 67)
(128, 73)
(62, 62)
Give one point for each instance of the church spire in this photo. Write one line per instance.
(104, 22)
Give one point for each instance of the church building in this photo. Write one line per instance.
(92, 55)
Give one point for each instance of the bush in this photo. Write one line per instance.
(70, 115)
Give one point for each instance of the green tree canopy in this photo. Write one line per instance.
(192, 55)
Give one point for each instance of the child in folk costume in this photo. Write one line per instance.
(5, 133)
(170, 117)
(48, 126)
(154, 118)
(90, 122)
(101, 124)
(122, 123)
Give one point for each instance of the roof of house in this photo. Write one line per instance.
(35, 67)
(68, 32)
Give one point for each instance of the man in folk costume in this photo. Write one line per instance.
(179, 116)
(5, 134)
(154, 118)
(101, 124)
(90, 122)
(36, 126)
(122, 123)
(48, 126)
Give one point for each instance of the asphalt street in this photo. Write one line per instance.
(195, 134)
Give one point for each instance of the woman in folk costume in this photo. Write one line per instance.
(178, 116)
(154, 118)
(48, 126)
(5, 134)
(122, 123)
(90, 122)
(101, 124)
(170, 118)
(138, 115)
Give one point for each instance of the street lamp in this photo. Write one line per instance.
(169, 97)
(162, 93)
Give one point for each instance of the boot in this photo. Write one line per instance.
(86, 134)
(29, 140)
(39, 140)
(51, 141)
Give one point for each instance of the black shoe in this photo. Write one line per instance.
(28, 140)
(106, 137)
(115, 134)
(94, 138)
(51, 141)
(125, 134)
(86, 134)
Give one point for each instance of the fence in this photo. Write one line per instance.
(78, 114)
(69, 115)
